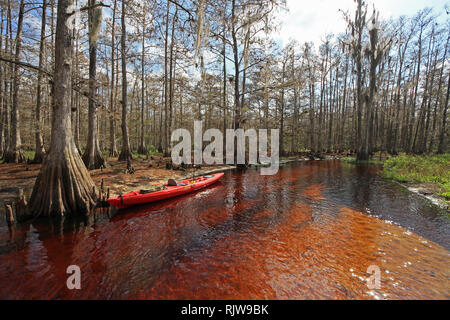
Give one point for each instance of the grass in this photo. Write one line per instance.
(421, 169)
(151, 152)
(352, 160)
(138, 156)
(29, 154)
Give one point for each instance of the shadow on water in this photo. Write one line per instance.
(308, 232)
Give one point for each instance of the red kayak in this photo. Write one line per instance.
(170, 190)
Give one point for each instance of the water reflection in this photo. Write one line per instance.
(304, 234)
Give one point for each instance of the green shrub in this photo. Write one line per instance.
(446, 195)
(430, 169)
(29, 154)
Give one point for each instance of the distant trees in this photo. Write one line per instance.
(14, 152)
(216, 61)
(384, 121)
(442, 142)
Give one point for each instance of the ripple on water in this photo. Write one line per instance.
(303, 234)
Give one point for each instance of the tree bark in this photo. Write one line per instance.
(442, 148)
(92, 157)
(7, 84)
(166, 84)
(63, 186)
(125, 154)
(375, 56)
(360, 21)
(14, 153)
(438, 99)
(2, 92)
(237, 103)
(112, 103)
(142, 149)
(39, 148)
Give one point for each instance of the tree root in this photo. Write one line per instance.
(63, 187)
(142, 150)
(15, 156)
(125, 155)
(99, 161)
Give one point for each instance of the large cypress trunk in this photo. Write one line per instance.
(63, 186)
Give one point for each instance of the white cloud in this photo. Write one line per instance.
(312, 20)
(309, 21)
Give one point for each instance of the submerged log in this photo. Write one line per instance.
(21, 207)
(22, 213)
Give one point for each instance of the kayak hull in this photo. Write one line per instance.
(137, 198)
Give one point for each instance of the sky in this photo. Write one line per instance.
(310, 20)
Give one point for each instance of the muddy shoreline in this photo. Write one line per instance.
(17, 179)
(426, 192)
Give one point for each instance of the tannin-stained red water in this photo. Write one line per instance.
(309, 232)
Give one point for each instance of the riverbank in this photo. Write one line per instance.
(15, 177)
(147, 171)
(427, 176)
(18, 179)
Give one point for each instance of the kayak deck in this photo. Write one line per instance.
(167, 191)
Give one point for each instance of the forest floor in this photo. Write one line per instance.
(17, 177)
(428, 176)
